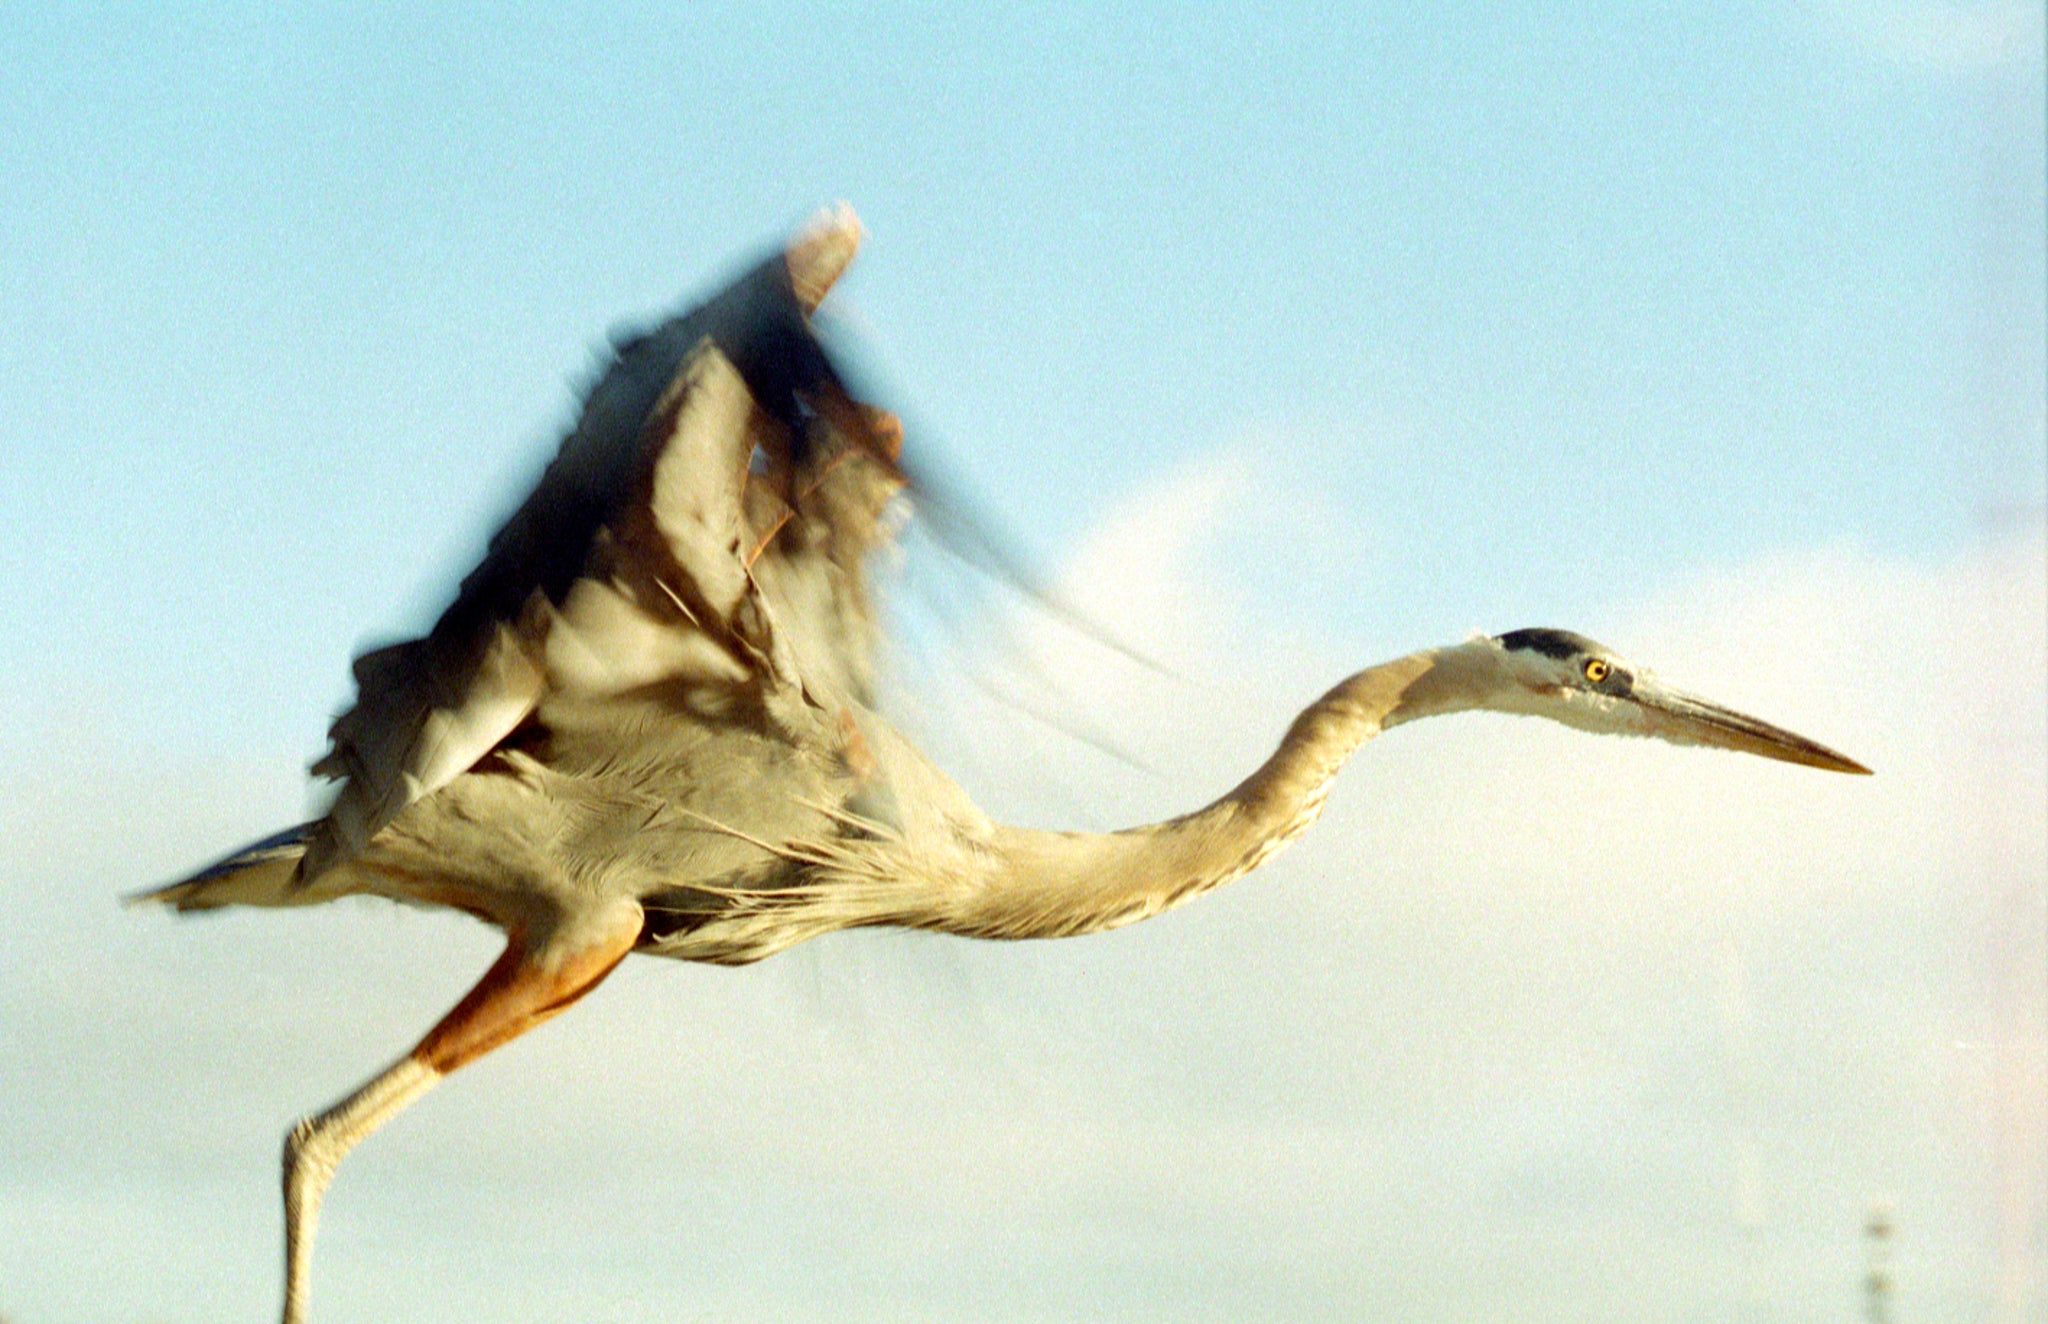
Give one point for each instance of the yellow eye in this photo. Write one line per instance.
(1596, 670)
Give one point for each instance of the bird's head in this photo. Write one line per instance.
(1571, 679)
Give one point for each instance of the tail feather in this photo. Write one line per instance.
(263, 873)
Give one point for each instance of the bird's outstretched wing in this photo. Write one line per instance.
(637, 560)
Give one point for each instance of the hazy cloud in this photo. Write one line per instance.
(1531, 1024)
(1945, 35)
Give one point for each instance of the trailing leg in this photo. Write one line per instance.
(538, 975)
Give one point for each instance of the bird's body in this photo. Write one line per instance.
(647, 722)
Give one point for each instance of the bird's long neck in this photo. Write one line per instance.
(1054, 884)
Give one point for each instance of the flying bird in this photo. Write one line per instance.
(647, 723)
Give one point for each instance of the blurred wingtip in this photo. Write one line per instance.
(820, 252)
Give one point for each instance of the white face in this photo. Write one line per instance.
(1571, 679)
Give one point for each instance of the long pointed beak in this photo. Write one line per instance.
(1687, 720)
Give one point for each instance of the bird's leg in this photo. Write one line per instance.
(316, 1145)
(530, 982)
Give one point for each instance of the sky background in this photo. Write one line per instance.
(1285, 342)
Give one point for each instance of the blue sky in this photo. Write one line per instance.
(1289, 342)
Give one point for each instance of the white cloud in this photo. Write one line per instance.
(1468, 1045)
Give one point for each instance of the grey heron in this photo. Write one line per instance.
(647, 722)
